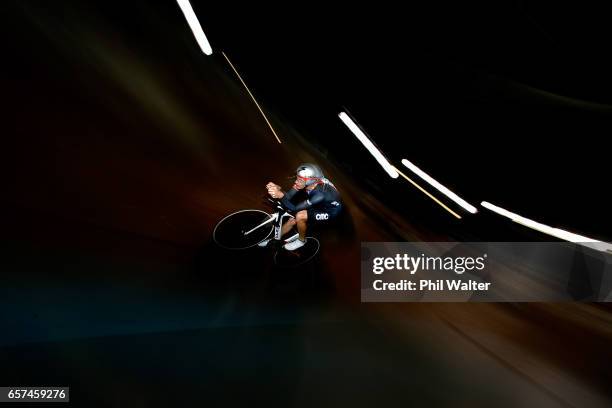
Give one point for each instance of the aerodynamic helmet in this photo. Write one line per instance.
(309, 173)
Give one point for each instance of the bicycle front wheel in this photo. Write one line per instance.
(236, 231)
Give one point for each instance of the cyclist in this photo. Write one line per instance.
(321, 204)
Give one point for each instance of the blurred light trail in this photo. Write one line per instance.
(392, 171)
(195, 26)
(440, 203)
(252, 97)
(464, 204)
(546, 229)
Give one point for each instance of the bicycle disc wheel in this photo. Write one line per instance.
(230, 231)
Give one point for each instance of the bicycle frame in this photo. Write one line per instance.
(277, 218)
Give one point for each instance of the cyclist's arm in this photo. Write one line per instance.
(312, 200)
(289, 194)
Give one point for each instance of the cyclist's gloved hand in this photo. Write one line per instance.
(274, 190)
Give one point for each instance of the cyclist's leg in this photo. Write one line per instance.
(301, 219)
(287, 226)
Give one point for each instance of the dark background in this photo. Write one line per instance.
(123, 146)
(500, 101)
